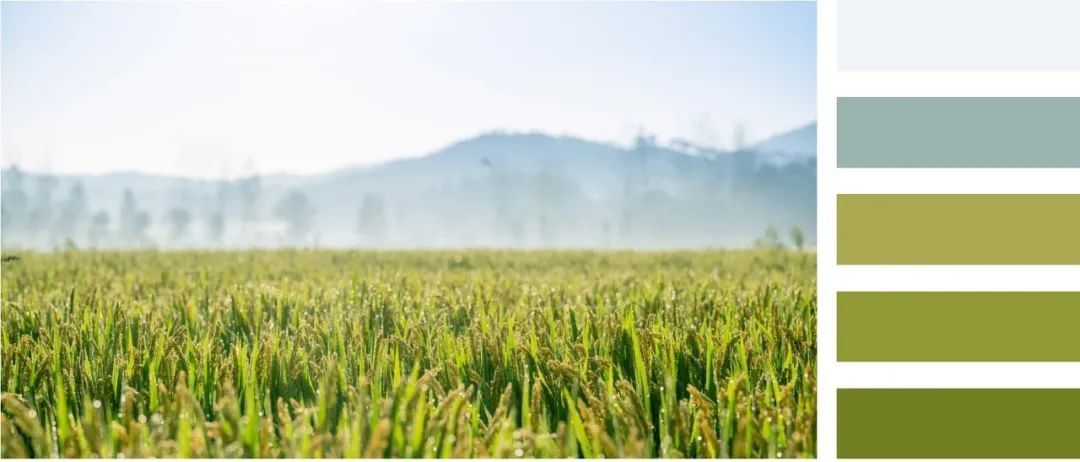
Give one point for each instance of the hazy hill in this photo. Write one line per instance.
(496, 189)
(794, 146)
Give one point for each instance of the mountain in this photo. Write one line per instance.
(494, 190)
(599, 169)
(795, 146)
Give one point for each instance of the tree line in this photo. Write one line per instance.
(36, 213)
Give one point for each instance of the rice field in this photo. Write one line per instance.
(409, 354)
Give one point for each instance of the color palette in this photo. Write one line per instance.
(958, 423)
(958, 326)
(958, 132)
(958, 229)
(939, 139)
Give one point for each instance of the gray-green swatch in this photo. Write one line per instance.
(957, 423)
(958, 326)
(958, 132)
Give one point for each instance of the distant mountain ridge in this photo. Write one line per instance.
(793, 146)
(494, 190)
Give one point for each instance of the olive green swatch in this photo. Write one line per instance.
(958, 326)
(958, 423)
(946, 132)
(958, 229)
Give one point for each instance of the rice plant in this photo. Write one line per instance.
(409, 354)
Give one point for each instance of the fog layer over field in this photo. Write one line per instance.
(521, 190)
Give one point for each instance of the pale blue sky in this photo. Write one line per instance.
(213, 89)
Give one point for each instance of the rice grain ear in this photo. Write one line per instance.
(13, 445)
(379, 441)
(23, 436)
(658, 359)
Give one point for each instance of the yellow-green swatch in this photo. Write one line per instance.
(958, 229)
(958, 423)
(958, 326)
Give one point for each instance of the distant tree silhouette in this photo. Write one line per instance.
(798, 238)
(250, 190)
(372, 219)
(133, 221)
(771, 240)
(41, 215)
(178, 220)
(71, 220)
(14, 204)
(296, 210)
(215, 227)
(98, 233)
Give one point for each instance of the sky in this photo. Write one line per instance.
(212, 90)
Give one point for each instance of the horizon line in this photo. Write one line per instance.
(351, 166)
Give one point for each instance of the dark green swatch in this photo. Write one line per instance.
(958, 132)
(958, 229)
(958, 326)
(958, 423)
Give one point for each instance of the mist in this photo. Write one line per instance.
(496, 190)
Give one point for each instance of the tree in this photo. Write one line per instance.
(215, 227)
(40, 217)
(798, 238)
(250, 190)
(14, 203)
(133, 221)
(372, 220)
(73, 214)
(141, 224)
(99, 228)
(296, 210)
(771, 240)
(178, 219)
